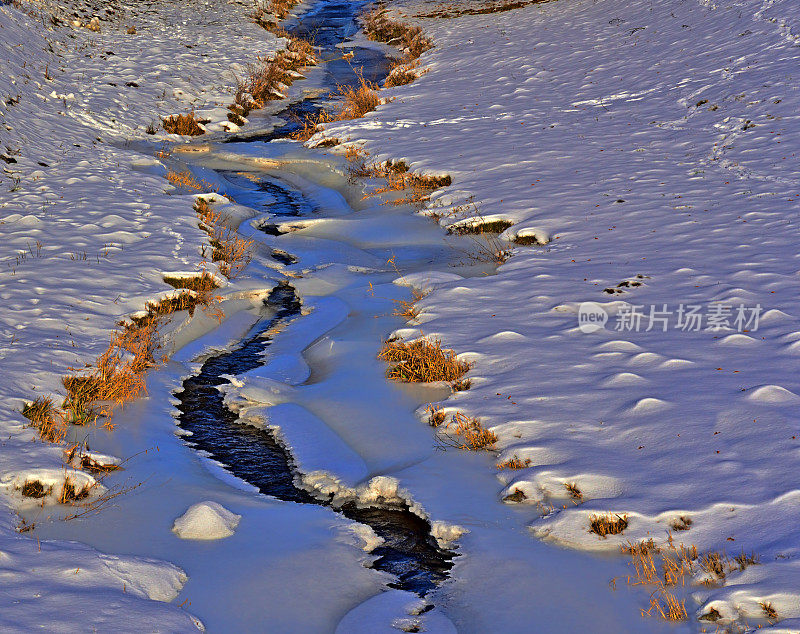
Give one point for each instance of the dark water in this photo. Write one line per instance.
(326, 25)
(409, 552)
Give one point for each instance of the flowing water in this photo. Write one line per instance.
(408, 552)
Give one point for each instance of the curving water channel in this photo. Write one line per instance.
(408, 552)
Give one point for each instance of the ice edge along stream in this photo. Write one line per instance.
(409, 551)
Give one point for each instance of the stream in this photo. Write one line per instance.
(408, 552)
(283, 406)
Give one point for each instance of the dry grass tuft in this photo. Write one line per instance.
(229, 250)
(436, 415)
(398, 179)
(93, 466)
(278, 8)
(574, 492)
(421, 361)
(465, 432)
(769, 612)
(407, 309)
(514, 463)
(743, 560)
(671, 569)
(186, 124)
(409, 38)
(70, 494)
(480, 227)
(350, 102)
(528, 240)
(401, 73)
(203, 283)
(267, 78)
(186, 180)
(118, 375)
(666, 605)
(608, 524)
(356, 101)
(681, 523)
(34, 489)
(46, 419)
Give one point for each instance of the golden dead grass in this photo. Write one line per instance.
(403, 186)
(350, 102)
(514, 463)
(666, 605)
(356, 101)
(379, 27)
(407, 309)
(34, 489)
(70, 493)
(229, 250)
(769, 612)
(608, 524)
(267, 78)
(574, 492)
(669, 566)
(436, 415)
(466, 432)
(681, 523)
(46, 419)
(203, 283)
(278, 8)
(401, 73)
(668, 571)
(421, 361)
(186, 124)
(118, 375)
(479, 227)
(186, 180)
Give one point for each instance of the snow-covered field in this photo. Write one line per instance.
(86, 238)
(654, 143)
(638, 140)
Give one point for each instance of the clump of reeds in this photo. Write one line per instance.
(421, 361)
(608, 524)
(379, 27)
(46, 419)
(229, 250)
(514, 463)
(186, 124)
(466, 432)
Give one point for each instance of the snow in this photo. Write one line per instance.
(370, 617)
(89, 229)
(638, 143)
(206, 520)
(634, 139)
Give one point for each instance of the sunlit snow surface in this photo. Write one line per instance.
(548, 116)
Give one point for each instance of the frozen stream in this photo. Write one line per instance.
(305, 408)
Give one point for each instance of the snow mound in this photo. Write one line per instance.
(206, 520)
